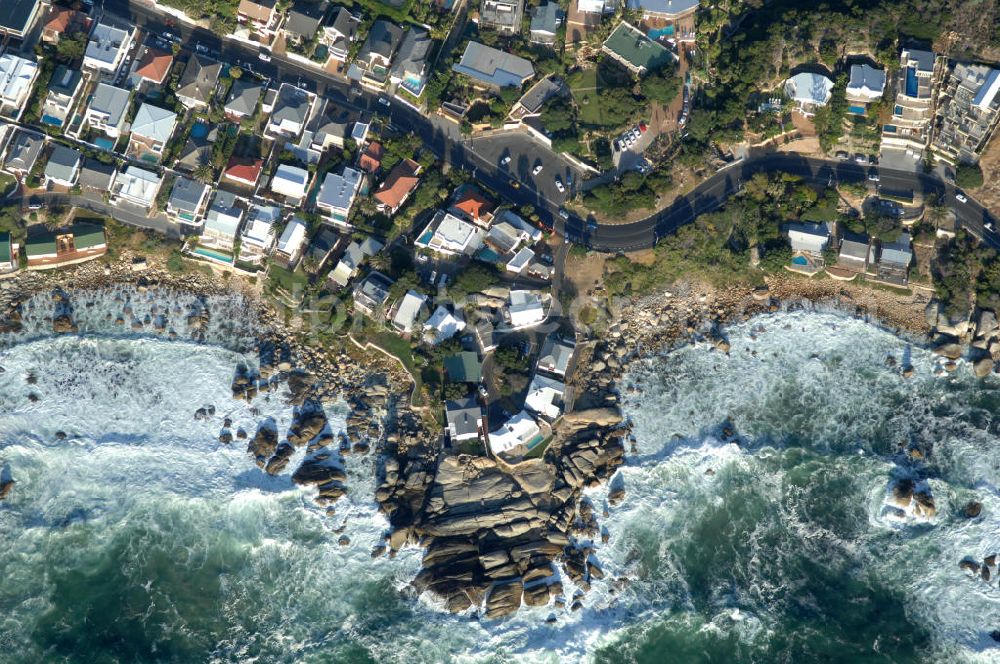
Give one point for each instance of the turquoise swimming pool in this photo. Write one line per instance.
(800, 260)
(213, 254)
(199, 130)
(660, 33)
(857, 110)
(104, 143)
(51, 120)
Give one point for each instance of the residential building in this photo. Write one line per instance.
(865, 86)
(62, 21)
(107, 47)
(258, 235)
(909, 127)
(63, 167)
(74, 244)
(151, 129)
(465, 420)
(545, 22)
(402, 181)
(198, 82)
(472, 205)
(290, 182)
(631, 48)
(372, 293)
(8, 253)
(197, 152)
(153, 66)
(520, 430)
(515, 225)
(340, 34)
(23, 151)
(810, 91)
(244, 170)
(243, 99)
(302, 21)
(17, 76)
(485, 334)
(520, 261)
(187, 200)
(442, 325)
(409, 71)
(410, 309)
(493, 68)
(107, 109)
(895, 259)
(355, 254)
(222, 222)
(854, 252)
(292, 108)
(525, 308)
(17, 17)
(261, 17)
(64, 87)
(808, 241)
(545, 397)
(665, 10)
(378, 51)
(532, 101)
(320, 248)
(136, 186)
(338, 193)
(291, 243)
(555, 356)
(463, 367)
(370, 159)
(968, 111)
(96, 176)
(447, 234)
(594, 6)
(503, 16)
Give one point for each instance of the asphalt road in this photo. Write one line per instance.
(444, 139)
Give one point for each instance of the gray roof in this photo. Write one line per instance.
(339, 190)
(555, 353)
(345, 23)
(370, 246)
(292, 104)
(412, 56)
(493, 66)
(383, 39)
(96, 175)
(63, 164)
(14, 14)
(539, 93)
(463, 416)
(187, 194)
(322, 245)
(924, 59)
(24, 151)
(867, 77)
(200, 77)
(897, 252)
(65, 81)
(111, 101)
(546, 18)
(196, 152)
(154, 122)
(854, 246)
(304, 18)
(375, 288)
(243, 96)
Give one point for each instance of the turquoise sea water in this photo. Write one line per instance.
(138, 537)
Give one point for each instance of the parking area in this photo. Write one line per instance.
(529, 163)
(628, 146)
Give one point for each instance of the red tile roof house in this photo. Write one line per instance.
(154, 65)
(471, 205)
(402, 181)
(244, 170)
(371, 159)
(62, 21)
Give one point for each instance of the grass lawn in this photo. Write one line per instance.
(399, 347)
(584, 86)
(279, 277)
(7, 184)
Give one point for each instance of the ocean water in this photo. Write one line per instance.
(133, 535)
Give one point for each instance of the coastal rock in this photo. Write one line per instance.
(504, 599)
(949, 350)
(319, 468)
(63, 324)
(972, 509)
(597, 417)
(983, 367)
(6, 486)
(761, 293)
(970, 566)
(279, 461)
(263, 444)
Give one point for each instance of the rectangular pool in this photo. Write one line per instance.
(213, 254)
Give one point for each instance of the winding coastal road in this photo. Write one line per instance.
(444, 138)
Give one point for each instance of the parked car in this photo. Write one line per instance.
(483, 393)
(843, 156)
(564, 214)
(569, 178)
(264, 57)
(514, 184)
(591, 225)
(643, 127)
(873, 160)
(559, 185)
(873, 175)
(201, 48)
(960, 197)
(505, 160)
(537, 169)
(860, 158)
(989, 226)
(383, 100)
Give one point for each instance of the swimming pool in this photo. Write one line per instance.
(911, 82)
(857, 110)
(213, 254)
(104, 143)
(800, 260)
(199, 130)
(660, 33)
(426, 237)
(51, 120)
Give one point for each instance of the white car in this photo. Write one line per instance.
(200, 48)
(537, 170)
(989, 226)
(264, 57)
(505, 160)
(383, 101)
(483, 393)
(559, 185)
(960, 197)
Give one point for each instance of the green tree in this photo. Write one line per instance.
(235, 72)
(969, 176)
(660, 88)
(72, 47)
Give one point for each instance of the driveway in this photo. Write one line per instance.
(526, 154)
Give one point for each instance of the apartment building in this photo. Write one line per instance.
(913, 107)
(967, 112)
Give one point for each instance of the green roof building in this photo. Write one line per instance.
(77, 243)
(637, 52)
(6, 253)
(463, 367)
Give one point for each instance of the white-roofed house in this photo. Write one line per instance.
(810, 91)
(338, 194)
(107, 47)
(258, 236)
(410, 309)
(222, 222)
(555, 356)
(808, 241)
(525, 308)
(864, 87)
(522, 429)
(520, 261)
(136, 186)
(545, 397)
(291, 243)
(290, 182)
(151, 129)
(442, 325)
(447, 234)
(17, 76)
